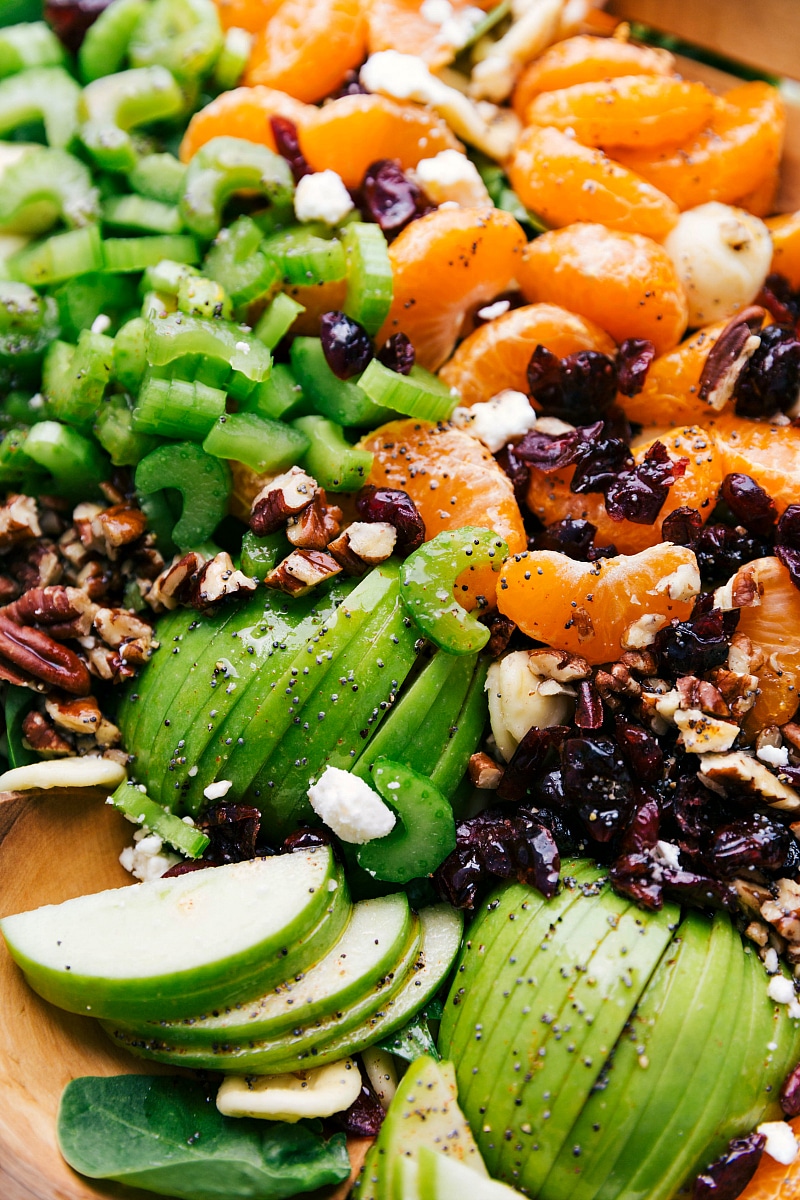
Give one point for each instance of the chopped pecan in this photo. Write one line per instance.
(82, 717)
(98, 578)
(743, 590)
(217, 580)
(751, 895)
(484, 772)
(500, 630)
(285, 496)
(743, 657)
(617, 682)
(791, 732)
(174, 585)
(119, 526)
(88, 529)
(729, 355)
(699, 693)
(640, 661)
(363, 545)
(64, 611)
(757, 932)
(19, 521)
(782, 911)
(9, 589)
(746, 774)
(738, 691)
(559, 665)
(123, 631)
(37, 654)
(72, 549)
(42, 736)
(38, 565)
(301, 571)
(316, 525)
(104, 662)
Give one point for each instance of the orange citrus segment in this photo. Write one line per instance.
(251, 15)
(550, 499)
(497, 354)
(772, 627)
(563, 182)
(587, 60)
(352, 132)
(761, 200)
(454, 481)
(242, 113)
(739, 148)
(589, 608)
(308, 46)
(773, 1180)
(624, 282)
(316, 298)
(633, 110)
(400, 25)
(785, 232)
(769, 453)
(670, 392)
(443, 265)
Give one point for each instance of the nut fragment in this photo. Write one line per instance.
(364, 544)
(173, 586)
(699, 693)
(123, 631)
(119, 526)
(316, 525)
(301, 571)
(37, 654)
(285, 496)
(743, 590)
(19, 521)
(484, 772)
(41, 735)
(743, 657)
(748, 774)
(558, 664)
(729, 356)
(218, 579)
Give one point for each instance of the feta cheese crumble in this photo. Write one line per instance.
(145, 858)
(216, 791)
(781, 1143)
(322, 197)
(456, 26)
(452, 177)
(492, 311)
(350, 807)
(781, 989)
(774, 756)
(495, 422)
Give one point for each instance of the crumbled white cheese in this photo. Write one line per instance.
(456, 26)
(350, 807)
(771, 961)
(781, 1144)
(536, 23)
(495, 422)
(145, 858)
(452, 177)
(101, 323)
(520, 698)
(320, 1092)
(681, 584)
(781, 989)
(322, 197)
(216, 791)
(668, 854)
(492, 311)
(774, 756)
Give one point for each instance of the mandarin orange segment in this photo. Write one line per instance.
(242, 113)
(316, 298)
(251, 15)
(593, 609)
(308, 46)
(772, 628)
(761, 200)
(738, 150)
(497, 354)
(454, 481)
(770, 454)
(444, 265)
(564, 182)
(671, 389)
(785, 232)
(774, 1180)
(586, 59)
(550, 499)
(633, 110)
(400, 25)
(352, 132)
(625, 283)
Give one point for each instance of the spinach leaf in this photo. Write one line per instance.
(412, 1041)
(18, 701)
(165, 1135)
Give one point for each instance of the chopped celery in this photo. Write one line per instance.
(201, 297)
(224, 166)
(236, 262)
(134, 803)
(256, 441)
(203, 481)
(29, 44)
(47, 94)
(79, 252)
(28, 324)
(89, 372)
(139, 213)
(261, 554)
(305, 256)
(114, 430)
(56, 373)
(105, 45)
(278, 397)
(135, 254)
(83, 298)
(16, 467)
(75, 463)
(219, 342)
(277, 319)
(177, 408)
(183, 35)
(418, 394)
(110, 107)
(159, 177)
(43, 186)
(341, 400)
(230, 66)
(130, 359)
(333, 462)
(369, 275)
(167, 276)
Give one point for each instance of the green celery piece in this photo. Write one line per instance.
(159, 177)
(261, 554)
(167, 275)
(139, 213)
(330, 458)
(201, 297)
(204, 483)
(277, 319)
(177, 336)
(46, 184)
(134, 803)
(224, 166)
(130, 359)
(85, 297)
(76, 463)
(57, 373)
(340, 400)
(138, 253)
(163, 1134)
(418, 394)
(177, 408)
(369, 275)
(78, 252)
(183, 35)
(277, 397)
(307, 254)
(110, 107)
(236, 262)
(105, 45)
(89, 372)
(47, 94)
(232, 61)
(114, 430)
(425, 831)
(261, 444)
(29, 44)
(28, 325)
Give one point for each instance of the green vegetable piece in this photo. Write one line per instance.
(261, 554)
(134, 803)
(17, 467)
(256, 441)
(105, 45)
(369, 275)
(334, 463)
(114, 430)
(200, 297)
(79, 252)
(30, 44)
(43, 186)
(230, 66)
(428, 576)
(84, 298)
(177, 408)
(76, 463)
(159, 177)
(57, 374)
(341, 400)
(110, 107)
(89, 372)
(418, 394)
(277, 319)
(307, 254)
(183, 35)
(203, 481)
(130, 359)
(166, 1135)
(244, 359)
(412, 1041)
(167, 276)
(17, 705)
(425, 832)
(28, 324)
(227, 165)
(138, 253)
(277, 397)
(47, 94)
(236, 262)
(139, 213)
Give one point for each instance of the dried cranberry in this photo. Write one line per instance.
(721, 551)
(770, 380)
(597, 785)
(389, 197)
(493, 844)
(749, 503)
(698, 645)
(589, 709)
(233, 829)
(642, 830)
(365, 1115)
(346, 344)
(682, 526)
(751, 842)
(544, 377)
(633, 362)
(516, 470)
(397, 508)
(287, 142)
(727, 1178)
(305, 839)
(398, 354)
(790, 1093)
(633, 875)
(573, 537)
(575, 388)
(553, 452)
(780, 300)
(641, 751)
(787, 542)
(699, 890)
(639, 494)
(528, 759)
(599, 464)
(70, 19)
(187, 867)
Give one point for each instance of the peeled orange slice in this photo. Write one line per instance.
(242, 113)
(308, 46)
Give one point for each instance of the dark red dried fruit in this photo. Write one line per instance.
(597, 785)
(749, 503)
(698, 645)
(770, 380)
(390, 198)
(505, 847)
(351, 86)
(305, 839)
(526, 763)
(599, 464)
(727, 1178)
(398, 354)
(365, 1115)
(70, 19)
(779, 299)
(641, 751)
(633, 362)
(752, 842)
(632, 875)
(553, 452)
(589, 709)
(642, 830)
(638, 495)
(575, 388)
(787, 542)
(500, 629)
(397, 508)
(790, 1093)
(721, 551)
(287, 141)
(681, 526)
(346, 345)
(188, 866)
(516, 470)
(233, 830)
(573, 537)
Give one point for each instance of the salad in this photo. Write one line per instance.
(400, 454)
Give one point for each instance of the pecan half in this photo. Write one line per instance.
(285, 496)
(316, 525)
(559, 665)
(37, 654)
(728, 356)
(217, 580)
(19, 521)
(41, 735)
(302, 571)
(64, 611)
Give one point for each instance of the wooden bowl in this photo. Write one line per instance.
(53, 847)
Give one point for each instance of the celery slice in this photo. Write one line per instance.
(419, 394)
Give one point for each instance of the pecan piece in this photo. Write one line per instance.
(729, 355)
(484, 772)
(104, 662)
(119, 526)
(38, 655)
(124, 632)
(316, 525)
(19, 521)
(301, 571)
(174, 585)
(699, 693)
(284, 497)
(82, 717)
(64, 611)
(42, 736)
(364, 545)
(559, 665)
(217, 580)
(38, 566)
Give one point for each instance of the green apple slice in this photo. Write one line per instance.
(367, 1182)
(172, 947)
(370, 945)
(442, 1177)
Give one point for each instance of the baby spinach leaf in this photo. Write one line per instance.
(17, 704)
(166, 1135)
